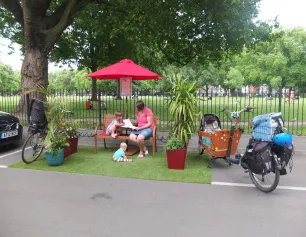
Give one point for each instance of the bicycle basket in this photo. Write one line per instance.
(37, 113)
(266, 126)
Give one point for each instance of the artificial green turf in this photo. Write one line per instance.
(152, 168)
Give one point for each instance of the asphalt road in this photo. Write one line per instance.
(38, 203)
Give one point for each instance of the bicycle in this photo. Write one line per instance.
(37, 132)
(265, 158)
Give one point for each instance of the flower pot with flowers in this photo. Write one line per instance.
(57, 138)
(71, 130)
(55, 143)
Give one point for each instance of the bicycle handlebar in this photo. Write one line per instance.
(245, 109)
(67, 111)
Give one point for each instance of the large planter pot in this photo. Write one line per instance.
(176, 159)
(73, 148)
(55, 160)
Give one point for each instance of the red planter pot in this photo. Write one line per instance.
(73, 148)
(176, 159)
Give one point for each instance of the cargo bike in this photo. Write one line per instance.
(217, 142)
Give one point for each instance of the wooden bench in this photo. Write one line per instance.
(108, 118)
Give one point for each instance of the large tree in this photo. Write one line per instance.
(99, 38)
(182, 29)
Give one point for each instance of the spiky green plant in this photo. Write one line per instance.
(183, 107)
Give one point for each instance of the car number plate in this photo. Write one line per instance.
(9, 134)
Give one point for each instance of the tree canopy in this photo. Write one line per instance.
(9, 79)
(183, 30)
(278, 63)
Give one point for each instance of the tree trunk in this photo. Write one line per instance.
(281, 95)
(94, 89)
(41, 30)
(93, 68)
(118, 97)
(34, 77)
(270, 90)
(206, 90)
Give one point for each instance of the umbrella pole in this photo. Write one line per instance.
(126, 108)
(99, 106)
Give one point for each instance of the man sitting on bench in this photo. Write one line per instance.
(89, 105)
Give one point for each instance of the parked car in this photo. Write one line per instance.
(10, 129)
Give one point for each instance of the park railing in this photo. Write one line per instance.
(293, 109)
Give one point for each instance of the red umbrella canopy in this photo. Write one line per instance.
(124, 68)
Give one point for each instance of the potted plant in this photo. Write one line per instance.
(71, 129)
(55, 141)
(57, 138)
(176, 153)
(183, 109)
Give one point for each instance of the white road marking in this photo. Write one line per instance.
(13, 153)
(251, 185)
(3, 166)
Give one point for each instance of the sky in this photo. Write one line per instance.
(289, 12)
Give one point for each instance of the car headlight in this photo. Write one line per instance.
(17, 125)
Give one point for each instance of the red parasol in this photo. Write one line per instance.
(124, 68)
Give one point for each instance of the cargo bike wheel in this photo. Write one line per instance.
(200, 148)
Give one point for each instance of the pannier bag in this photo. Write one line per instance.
(286, 156)
(266, 126)
(259, 157)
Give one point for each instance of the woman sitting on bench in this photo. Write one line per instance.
(144, 128)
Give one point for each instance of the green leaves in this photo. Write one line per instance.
(234, 79)
(282, 59)
(175, 143)
(60, 129)
(9, 80)
(55, 139)
(183, 107)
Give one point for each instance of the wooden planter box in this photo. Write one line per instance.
(73, 148)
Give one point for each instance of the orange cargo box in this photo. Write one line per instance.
(216, 143)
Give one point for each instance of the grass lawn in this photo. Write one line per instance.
(151, 168)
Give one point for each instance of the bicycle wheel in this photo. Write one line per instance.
(262, 182)
(32, 147)
(200, 148)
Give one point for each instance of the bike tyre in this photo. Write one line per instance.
(200, 149)
(266, 189)
(24, 159)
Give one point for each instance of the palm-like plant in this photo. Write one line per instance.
(183, 107)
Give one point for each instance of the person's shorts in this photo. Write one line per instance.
(147, 132)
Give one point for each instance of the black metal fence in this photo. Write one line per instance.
(292, 108)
